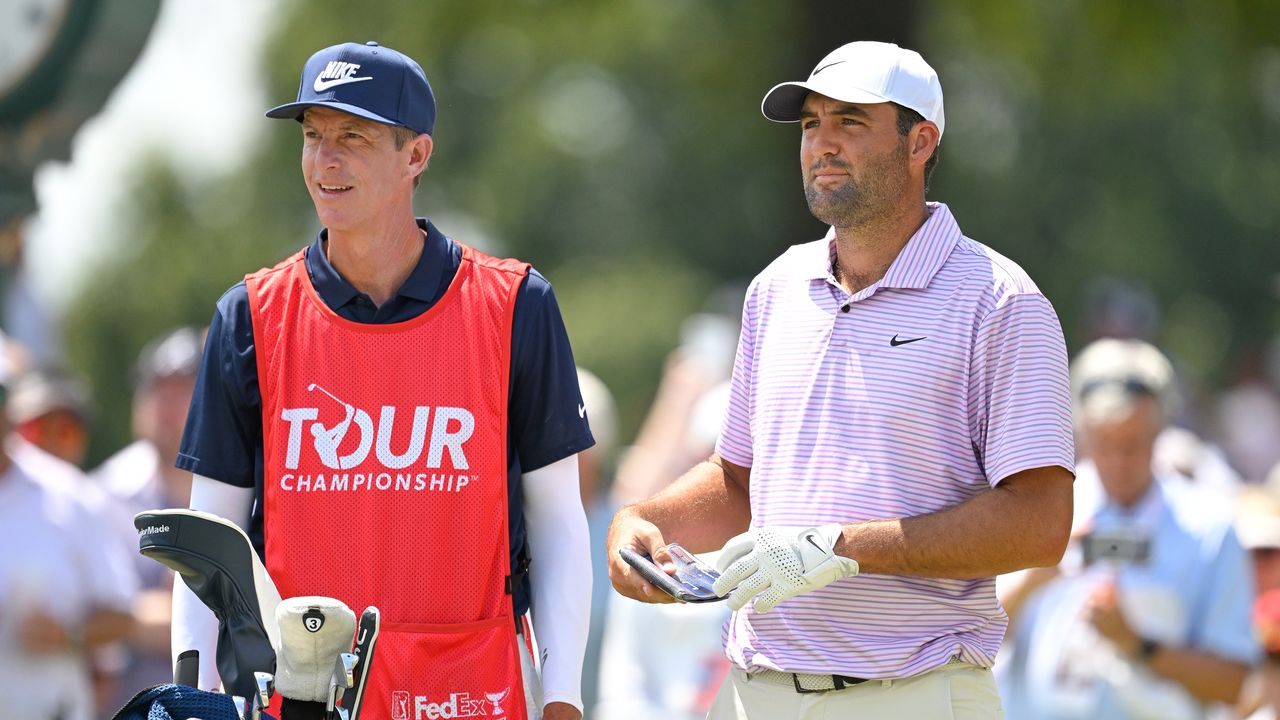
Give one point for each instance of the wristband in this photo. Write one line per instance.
(1146, 650)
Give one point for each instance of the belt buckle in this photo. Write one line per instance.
(795, 678)
(838, 682)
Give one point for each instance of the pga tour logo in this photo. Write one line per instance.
(450, 428)
(458, 705)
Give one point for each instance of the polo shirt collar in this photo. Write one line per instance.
(920, 259)
(423, 284)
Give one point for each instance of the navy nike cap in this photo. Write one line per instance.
(369, 81)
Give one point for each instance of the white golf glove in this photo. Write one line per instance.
(773, 564)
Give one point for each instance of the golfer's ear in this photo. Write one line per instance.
(923, 141)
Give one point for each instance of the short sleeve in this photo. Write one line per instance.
(1019, 391)
(735, 441)
(545, 410)
(224, 423)
(1225, 627)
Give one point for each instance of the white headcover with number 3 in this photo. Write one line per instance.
(773, 564)
(313, 631)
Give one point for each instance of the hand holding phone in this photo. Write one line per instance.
(692, 581)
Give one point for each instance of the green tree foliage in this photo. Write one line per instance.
(618, 146)
(185, 252)
(1132, 140)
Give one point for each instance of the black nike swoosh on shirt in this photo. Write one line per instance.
(895, 342)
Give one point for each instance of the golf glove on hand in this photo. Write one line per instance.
(774, 564)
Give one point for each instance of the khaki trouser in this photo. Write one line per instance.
(955, 691)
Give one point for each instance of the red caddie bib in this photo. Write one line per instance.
(385, 480)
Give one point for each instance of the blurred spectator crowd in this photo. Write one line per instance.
(1166, 605)
(84, 619)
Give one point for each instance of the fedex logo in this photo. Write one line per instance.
(457, 705)
(450, 428)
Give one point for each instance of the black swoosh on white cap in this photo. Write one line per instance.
(824, 67)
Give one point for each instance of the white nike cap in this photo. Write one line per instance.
(863, 72)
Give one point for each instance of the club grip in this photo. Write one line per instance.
(186, 670)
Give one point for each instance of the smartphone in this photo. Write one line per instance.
(1117, 546)
(692, 581)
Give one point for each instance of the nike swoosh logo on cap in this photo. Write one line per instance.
(824, 67)
(321, 85)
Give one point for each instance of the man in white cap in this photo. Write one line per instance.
(898, 431)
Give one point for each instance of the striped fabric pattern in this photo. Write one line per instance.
(943, 378)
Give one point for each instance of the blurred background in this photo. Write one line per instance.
(1127, 155)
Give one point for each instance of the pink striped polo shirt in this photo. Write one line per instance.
(911, 396)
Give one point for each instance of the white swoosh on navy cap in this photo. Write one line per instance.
(322, 85)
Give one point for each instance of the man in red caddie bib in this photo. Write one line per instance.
(394, 418)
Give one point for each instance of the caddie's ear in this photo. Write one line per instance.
(419, 153)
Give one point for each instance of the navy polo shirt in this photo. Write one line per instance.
(223, 435)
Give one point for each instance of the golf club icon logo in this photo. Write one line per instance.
(496, 698)
(329, 439)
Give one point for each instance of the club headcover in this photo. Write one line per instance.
(216, 560)
(313, 632)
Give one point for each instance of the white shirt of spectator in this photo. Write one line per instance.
(62, 559)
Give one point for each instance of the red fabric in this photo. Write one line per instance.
(466, 671)
(1266, 618)
(385, 477)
